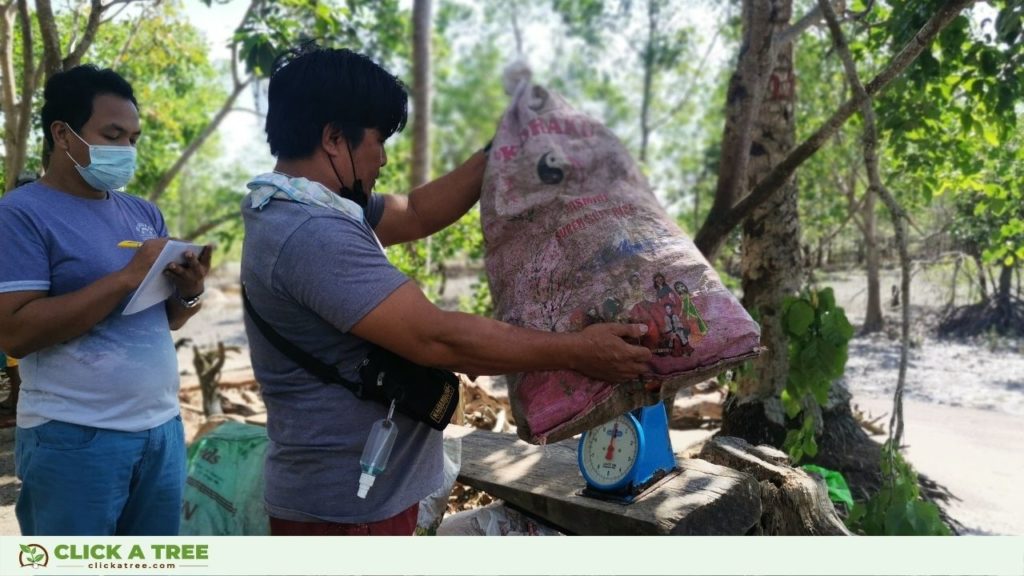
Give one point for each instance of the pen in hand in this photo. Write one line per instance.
(129, 244)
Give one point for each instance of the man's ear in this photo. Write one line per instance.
(60, 133)
(332, 140)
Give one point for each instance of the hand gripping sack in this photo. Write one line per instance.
(574, 236)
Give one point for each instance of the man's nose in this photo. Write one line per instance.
(383, 157)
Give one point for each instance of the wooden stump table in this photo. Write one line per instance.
(545, 482)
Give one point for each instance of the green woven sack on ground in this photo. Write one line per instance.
(224, 488)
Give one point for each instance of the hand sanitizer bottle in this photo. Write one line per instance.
(377, 451)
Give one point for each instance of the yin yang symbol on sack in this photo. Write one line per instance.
(550, 168)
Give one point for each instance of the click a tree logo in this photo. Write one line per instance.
(33, 555)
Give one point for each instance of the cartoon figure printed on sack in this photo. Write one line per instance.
(690, 315)
(675, 326)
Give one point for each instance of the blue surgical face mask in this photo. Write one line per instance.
(110, 167)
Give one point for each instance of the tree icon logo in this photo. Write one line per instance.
(33, 555)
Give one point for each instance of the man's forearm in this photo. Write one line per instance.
(44, 322)
(478, 345)
(441, 202)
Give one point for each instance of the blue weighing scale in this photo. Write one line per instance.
(628, 457)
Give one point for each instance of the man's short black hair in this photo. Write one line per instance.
(69, 95)
(317, 86)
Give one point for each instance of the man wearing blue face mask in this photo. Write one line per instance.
(99, 444)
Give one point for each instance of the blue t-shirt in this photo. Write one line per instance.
(313, 272)
(123, 373)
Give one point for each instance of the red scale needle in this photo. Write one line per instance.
(610, 453)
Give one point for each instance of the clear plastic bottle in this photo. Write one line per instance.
(377, 451)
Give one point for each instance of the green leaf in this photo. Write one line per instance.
(27, 549)
(810, 358)
(799, 317)
(810, 446)
(821, 393)
(794, 445)
(857, 514)
(826, 299)
(791, 405)
(896, 523)
(926, 520)
(991, 135)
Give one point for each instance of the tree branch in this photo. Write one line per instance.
(143, 16)
(851, 214)
(517, 33)
(693, 85)
(211, 224)
(799, 27)
(720, 223)
(91, 26)
(7, 102)
(899, 219)
(186, 154)
(743, 100)
(124, 4)
(51, 38)
(256, 113)
(7, 60)
(208, 130)
(235, 78)
(648, 82)
(28, 86)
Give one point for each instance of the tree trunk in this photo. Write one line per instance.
(952, 289)
(793, 503)
(648, 61)
(18, 112)
(771, 271)
(1005, 283)
(845, 447)
(723, 218)
(51, 38)
(7, 85)
(421, 32)
(982, 284)
(1003, 301)
(770, 258)
(873, 320)
(421, 92)
(743, 100)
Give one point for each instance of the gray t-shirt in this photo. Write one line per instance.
(312, 273)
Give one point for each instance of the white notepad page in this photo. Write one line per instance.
(156, 287)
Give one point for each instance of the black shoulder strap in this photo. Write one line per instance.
(304, 359)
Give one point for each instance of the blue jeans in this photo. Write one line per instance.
(84, 481)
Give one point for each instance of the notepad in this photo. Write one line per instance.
(156, 287)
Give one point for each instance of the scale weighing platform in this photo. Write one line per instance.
(628, 457)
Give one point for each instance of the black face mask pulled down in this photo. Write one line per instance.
(356, 192)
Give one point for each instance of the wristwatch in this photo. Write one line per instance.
(192, 302)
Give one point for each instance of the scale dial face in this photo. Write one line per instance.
(609, 452)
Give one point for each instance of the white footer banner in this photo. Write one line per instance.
(482, 556)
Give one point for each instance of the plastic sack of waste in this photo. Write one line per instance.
(495, 519)
(575, 236)
(432, 508)
(224, 488)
